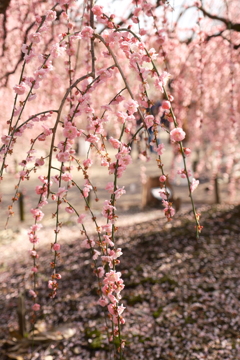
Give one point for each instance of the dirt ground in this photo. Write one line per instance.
(182, 296)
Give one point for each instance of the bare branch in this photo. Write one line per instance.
(227, 22)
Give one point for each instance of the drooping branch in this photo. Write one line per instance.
(229, 24)
(4, 5)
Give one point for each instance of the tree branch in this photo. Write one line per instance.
(228, 23)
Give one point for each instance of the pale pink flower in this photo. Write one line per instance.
(37, 214)
(86, 190)
(70, 132)
(187, 151)
(177, 134)
(36, 307)
(163, 194)
(194, 184)
(35, 38)
(103, 301)
(115, 143)
(32, 293)
(112, 276)
(119, 192)
(110, 187)
(160, 149)
(112, 309)
(41, 190)
(149, 121)
(107, 240)
(81, 218)
(96, 254)
(88, 243)
(131, 106)
(121, 116)
(51, 15)
(20, 89)
(87, 32)
(56, 247)
(87, 163)
(6, 139)
(39, 162)
(66, 176)
(61, 192)
(100, 271)
(46, 130)
(63, 156)
(97, 10)
(92, 138)
(52, 284)
(69, 209)
(169, 212)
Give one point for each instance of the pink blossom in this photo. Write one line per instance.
(107, 228)
(100, 271)
(33, 253)
(37, 214)
(177, 134)
(108, 210)
(110, 187)
(194, 184)
(87, 163)
(43, 179)
(166, 105)
(115, 143)
(107, 240)
(34, 269)
(103, 301)
(63, 156)
(51, 15)
(88, 243)
(163, 194)
(149, 121)
(162, 178)
(41, 190)
(61, 192)
(70, 132)
(183, 173)
(39, 162)
(66, 177)
(6, 139)
(112, 276)
(20, 89)
(46, 130)
(119, 192)
(92, 138)
(81, 218)
(96, 254)
(169, 212)
(187, 151)
(87, 32)
(121, 116)
(86, 190)
(35, 38)
(32, 293)
(131, 106)
(52, 284)
(56, 247)
(36, 307)
(69, 209)
(160, 149)
(97, 10)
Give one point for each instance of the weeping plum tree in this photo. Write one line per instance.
(76, 71)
